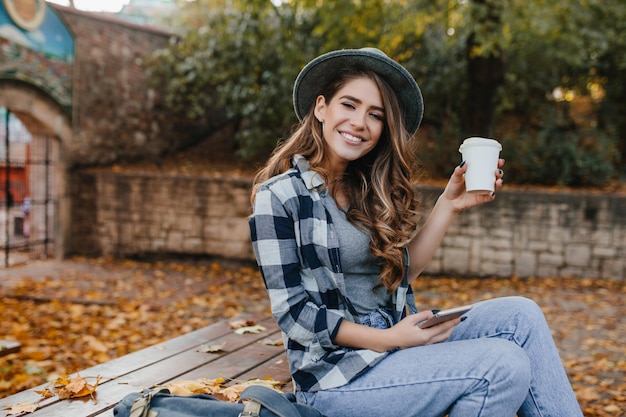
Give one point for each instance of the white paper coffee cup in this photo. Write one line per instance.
(481, 156)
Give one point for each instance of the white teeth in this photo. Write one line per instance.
(351, 138)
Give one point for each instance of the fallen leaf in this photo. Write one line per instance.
(586, 317)
(45, 393)
(209, 348)
(217, 387)
(237, 324)
(21, 408)
(270, 342)
(216, 382)
(266, 382)
(74, 388)
(250, 329)
(233, 393)
(612, 408)
(95, 344)
(587, 394)
(186, 388)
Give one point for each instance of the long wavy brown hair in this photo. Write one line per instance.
(378, 186)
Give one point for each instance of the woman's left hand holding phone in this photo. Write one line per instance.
(409, 334)
(404, 334)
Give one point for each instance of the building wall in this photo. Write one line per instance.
(114, 106)
(521, 233)
(117, 114)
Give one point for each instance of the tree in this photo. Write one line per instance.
(241, 62)
(518, 70)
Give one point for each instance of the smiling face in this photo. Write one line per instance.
(353, 121)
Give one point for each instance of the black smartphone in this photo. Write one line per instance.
(444, 315)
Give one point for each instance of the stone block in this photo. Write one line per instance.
(495, 269)
(551, 260)
(175, 241)
(455, 261)
(525, 265)
(459, 241)
(577, 255)
(603, 252)
(548, 271)
(538, 245)
(602, 237)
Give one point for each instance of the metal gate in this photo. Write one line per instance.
(28, 202)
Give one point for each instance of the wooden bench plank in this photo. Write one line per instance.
(276, 367)
(120, 366)
(8, 346)
(246, 361)
(175, 359)
(116, 368)
(167, 369)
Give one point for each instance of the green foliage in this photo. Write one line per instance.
(242, 62)
(560, 153)
(238, 59)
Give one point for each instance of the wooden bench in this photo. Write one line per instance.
(242, 357)
(9, 346)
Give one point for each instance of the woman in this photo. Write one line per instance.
(335, 235)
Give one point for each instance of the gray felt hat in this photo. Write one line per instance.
(316, 75)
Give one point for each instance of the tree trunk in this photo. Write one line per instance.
(485, 71)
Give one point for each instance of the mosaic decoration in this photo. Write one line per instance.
(37, 47)
(27, 14)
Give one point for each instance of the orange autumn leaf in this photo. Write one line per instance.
(186, 388)
(199, 386)
(45, 393)
(74, 388)
(217, 387)
(233, 393)
(586, 317)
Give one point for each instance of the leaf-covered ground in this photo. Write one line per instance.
(77, 313)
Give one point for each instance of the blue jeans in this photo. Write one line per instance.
(500, 361)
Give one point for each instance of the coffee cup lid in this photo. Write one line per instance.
(479, 142)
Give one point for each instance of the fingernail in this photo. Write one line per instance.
(462, 163)
(500, 172)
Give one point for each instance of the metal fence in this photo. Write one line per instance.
(28, 198)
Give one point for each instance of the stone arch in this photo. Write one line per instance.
(37, 110)
(51, 129)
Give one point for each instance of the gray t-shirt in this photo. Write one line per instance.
(360, 267)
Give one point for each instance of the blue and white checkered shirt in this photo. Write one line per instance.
(297, 251)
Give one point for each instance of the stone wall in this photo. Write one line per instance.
(118, 115)
(130, 214)
(522, 233)
(542, 234)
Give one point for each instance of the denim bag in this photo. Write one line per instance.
(259, 402)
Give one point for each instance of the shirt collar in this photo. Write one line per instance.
(312, 179)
